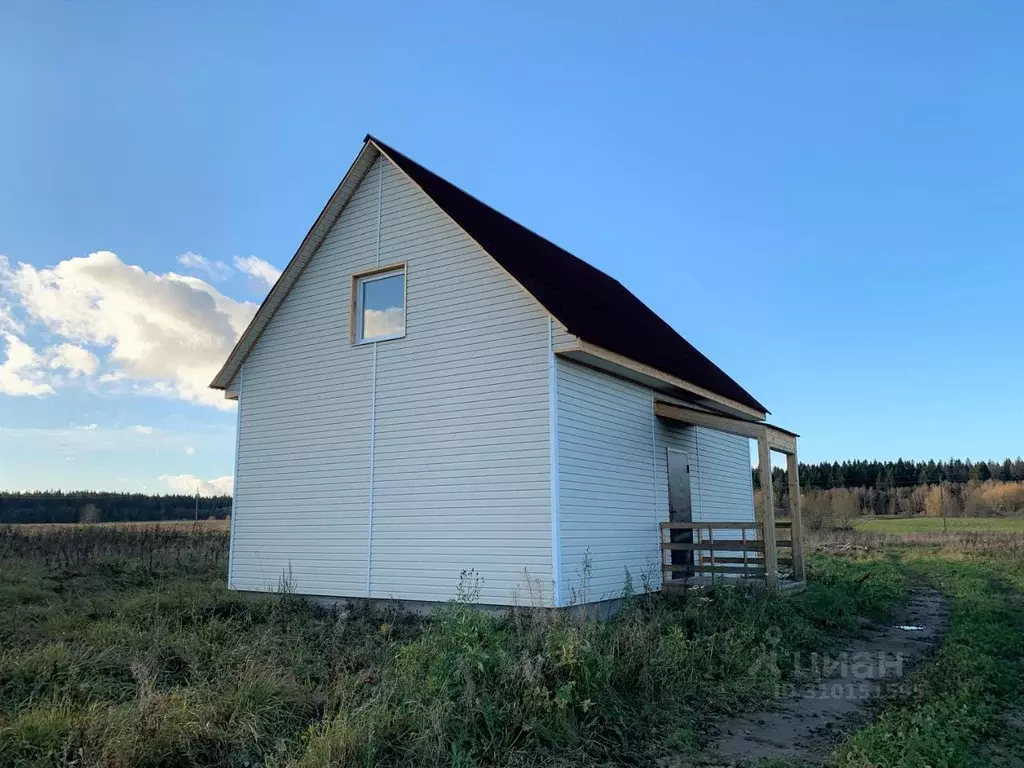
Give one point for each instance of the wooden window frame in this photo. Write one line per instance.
(354, 301)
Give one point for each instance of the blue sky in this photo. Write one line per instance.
(823, 197)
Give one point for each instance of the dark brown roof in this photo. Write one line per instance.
(593, 306)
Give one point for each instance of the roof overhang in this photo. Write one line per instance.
(778, 439)
(310, 243)
(603, 359)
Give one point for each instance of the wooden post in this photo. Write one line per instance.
(797, 532)
(711, 542)
(771, 558)
(743, 537)
(668, 576)
(698, 555)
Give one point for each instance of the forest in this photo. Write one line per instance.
(891, 474)
(103, 506)
(834, 494)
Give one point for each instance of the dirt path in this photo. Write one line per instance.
(807, 723)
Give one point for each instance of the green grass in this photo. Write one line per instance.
(122, 647)
(954, 707)
(901, 525)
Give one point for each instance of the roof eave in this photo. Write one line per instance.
(310, 243)
(584, 351)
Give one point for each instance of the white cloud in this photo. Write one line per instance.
(165, 334)
(384, 322)
(189, 450)
(94, 439)
(258, 268)
(218, 486)
(143, 430)
(215, 270)
(75, 359)
(22, 371)
(28, 372)
(8, 323)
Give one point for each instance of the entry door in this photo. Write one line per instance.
(679, 508)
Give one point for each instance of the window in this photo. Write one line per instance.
(379, 305)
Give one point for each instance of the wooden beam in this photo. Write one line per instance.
(705, 545)
(691, 526)
(754, 558)
(710, 420)
(764, 454)
(753, 571)
(795, 515)
(778, 439)
(586, 348)
(781, 441)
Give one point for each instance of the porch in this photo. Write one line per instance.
(764, 551)
(729, 553)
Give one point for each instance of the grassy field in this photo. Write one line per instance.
(902, 525)
(121, 646)
(964, 707)
(203, 525)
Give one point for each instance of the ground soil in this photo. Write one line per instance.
(809, 720)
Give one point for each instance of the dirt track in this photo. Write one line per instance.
(808, 721)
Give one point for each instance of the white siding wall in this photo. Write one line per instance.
(461, 476)
(725, 484)
(613, 479)
(607, 501)
(559, 333)
(720, 480)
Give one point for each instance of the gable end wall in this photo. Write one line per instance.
(455, 416)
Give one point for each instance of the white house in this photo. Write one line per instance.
(431, 389)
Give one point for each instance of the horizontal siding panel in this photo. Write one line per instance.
(479, 466)
(473, 552)
(560, 334)
(463, 356)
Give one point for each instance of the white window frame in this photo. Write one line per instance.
(361, 278)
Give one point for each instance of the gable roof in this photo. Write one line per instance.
(590, 304)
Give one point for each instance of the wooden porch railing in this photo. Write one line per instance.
(769, 438)
(726, 551)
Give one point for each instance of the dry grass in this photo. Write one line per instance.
(940, 524)
(841, 541)
(202, 525)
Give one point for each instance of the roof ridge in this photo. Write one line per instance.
(386, 148)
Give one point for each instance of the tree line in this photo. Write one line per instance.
(899, 473)
(105, 506)
(836, 493)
